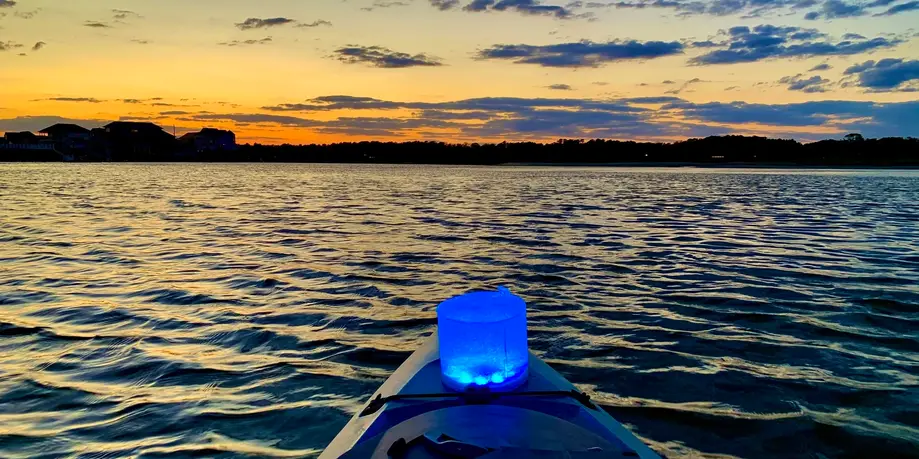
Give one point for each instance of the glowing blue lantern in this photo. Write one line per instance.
(483, 341)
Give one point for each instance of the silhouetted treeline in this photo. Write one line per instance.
(851, 151)
(711, 150)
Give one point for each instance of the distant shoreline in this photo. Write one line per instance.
(215, 146)
(779, 166)
(716, 165)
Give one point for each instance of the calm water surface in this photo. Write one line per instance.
(248, 310)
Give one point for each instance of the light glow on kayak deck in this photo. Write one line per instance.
(483, 341)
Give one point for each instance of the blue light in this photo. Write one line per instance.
(483, 341)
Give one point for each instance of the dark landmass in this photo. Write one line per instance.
(123, 142)
(887, 152)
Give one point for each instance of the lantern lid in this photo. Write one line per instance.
(482, 307)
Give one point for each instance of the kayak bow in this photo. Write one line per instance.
(414, 415)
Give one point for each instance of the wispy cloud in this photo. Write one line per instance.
(378, 4)
(529, 7)
(649, 117)
(35, 123)
(318, 23)
(378, 56)
(90, 100)
(901, 8)
(9, 45)
(583, 53)
(97, 25)
(38, 46)
(125, 14)
(799, 82)
(263, 41)
(257, 23)
(444, 4)
(683, 87)
(27, 14)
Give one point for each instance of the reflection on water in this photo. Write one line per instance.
(228, 310)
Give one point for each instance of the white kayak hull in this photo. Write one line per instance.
(547, 417)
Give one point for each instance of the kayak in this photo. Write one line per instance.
(415, 415)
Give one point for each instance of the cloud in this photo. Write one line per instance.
(835, 9)
(684, 86)
(379, 126)
(378, 56)
(492, 104)
(886, 75)
(90, 100)
(684, 8)
(97, 25)
(662, 117)
(743, 44)
(155, 101)
(256, 23)
(810, 85)
(820, 67)
(255, 118)
(530, 7)
(843, 114)
(582, 53)
(124, 14)
(384, 4)
(263, 41)
(454, 115)
(320, 22)
(637, 117)
(7, 3)
(140, 42)
(38, 46)
(9, 45)
(560, 87)
(26, 14)
(483, 117)
(901, 8)
(444, 5)
(37, 123)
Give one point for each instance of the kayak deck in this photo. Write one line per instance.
(413, 415)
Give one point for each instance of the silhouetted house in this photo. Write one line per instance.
(209, 139)
(26, 146)
(133, 141)
(21, 138)
(67, 137)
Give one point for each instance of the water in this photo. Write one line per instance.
(231, 310)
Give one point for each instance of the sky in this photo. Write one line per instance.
(320, 71)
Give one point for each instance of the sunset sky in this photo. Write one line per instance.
(305, 71)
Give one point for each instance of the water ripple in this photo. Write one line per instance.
(248, 310)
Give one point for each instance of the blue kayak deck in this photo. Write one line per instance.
(540, 418)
